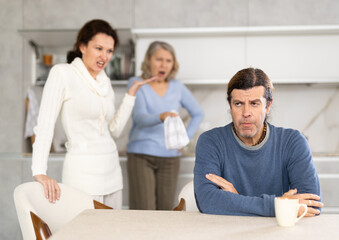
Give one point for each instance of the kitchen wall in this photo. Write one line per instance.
(39, 14)
(293, 60)
(309, 108)
(46, 14)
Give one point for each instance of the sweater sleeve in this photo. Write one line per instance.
(140, 114)
(193, 108)
(122, 115)
(302, 174)
(213, 200)
(51, 102)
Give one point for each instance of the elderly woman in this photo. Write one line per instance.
(152, 168)
(82, 93)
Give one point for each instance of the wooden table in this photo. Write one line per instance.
(132, 224)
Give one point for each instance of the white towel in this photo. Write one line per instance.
(175, 133)
(32, 112)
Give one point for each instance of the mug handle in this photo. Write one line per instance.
(304, 213)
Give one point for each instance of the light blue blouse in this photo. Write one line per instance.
(147, 133)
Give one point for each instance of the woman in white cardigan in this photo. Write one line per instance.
(82, 93)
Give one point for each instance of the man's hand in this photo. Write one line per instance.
(51, 187)
(311, 200)
(137, 84)
(222, 183)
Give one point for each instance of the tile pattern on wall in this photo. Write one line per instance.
(190, 13)
(290, 12)
(11, 106)
(311, 109)
(42, 14)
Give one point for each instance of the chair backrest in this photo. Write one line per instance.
(41, 229)
(99, 205)
(187, 193)
(30, 197)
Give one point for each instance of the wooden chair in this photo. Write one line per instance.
(41, 229)
(186, 199)
(181, 206)
(99, 205)
(29, 198)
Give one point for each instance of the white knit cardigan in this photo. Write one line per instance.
(89, 117)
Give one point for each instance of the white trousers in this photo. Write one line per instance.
(113, 200)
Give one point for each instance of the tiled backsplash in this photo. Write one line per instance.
(312, 109)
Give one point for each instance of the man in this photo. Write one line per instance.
(240, 168)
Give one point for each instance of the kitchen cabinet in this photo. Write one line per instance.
(210, 56)
(327, 168)
(288, 54)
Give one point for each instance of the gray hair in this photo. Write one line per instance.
(146, 68)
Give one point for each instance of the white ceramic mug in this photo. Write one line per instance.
(286, 211)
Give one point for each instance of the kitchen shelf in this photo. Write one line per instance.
(119, 82)
(275, 81)
(64, 37)
(61, 37)
(291, 81)
(306, 81)
(113, 82)
(61, 156)
(224, 31)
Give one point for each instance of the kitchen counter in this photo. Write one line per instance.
(15, 168)
(318, 157)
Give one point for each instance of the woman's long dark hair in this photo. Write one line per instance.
(87, 32)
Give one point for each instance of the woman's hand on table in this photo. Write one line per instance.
(51, 187)
(137, 84)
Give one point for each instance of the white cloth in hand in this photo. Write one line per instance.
(175, 133)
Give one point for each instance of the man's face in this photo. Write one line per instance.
(248, 110)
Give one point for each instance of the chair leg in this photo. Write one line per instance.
(99, 205)
(181, 206)
(41, 229)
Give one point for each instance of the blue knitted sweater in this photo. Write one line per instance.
(281, 162)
